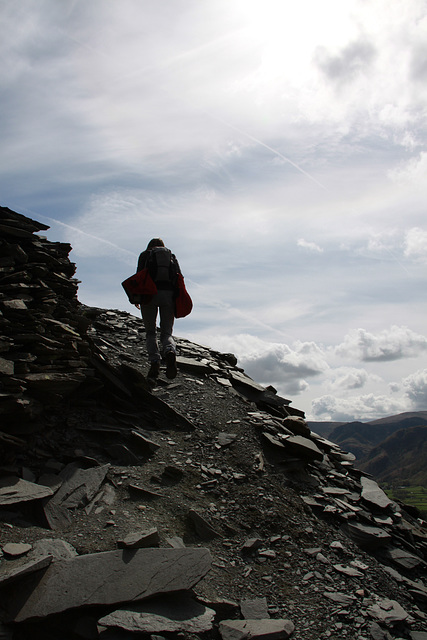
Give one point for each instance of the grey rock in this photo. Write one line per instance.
(14, 490)
(303, 447)
(339, 598)
(79, 486)
(403, 558)
(16, 549)
(241, 379)
(141, 539)
(388, 611)
(366, 536)
(348, 571)
(267, 629)
(144, 492)
(251, 545)
(176, 542)
(274, 440)
(16, 570)
(55, 547)
(194, 366)
(145, 442)
(203, 528)
(225, 439)
(418, 635)
(372, 493)
(256, 609)
(108, 578)
(378, 633)
(298, 426)
(177, 614)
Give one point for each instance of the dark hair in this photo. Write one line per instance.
(155, 242)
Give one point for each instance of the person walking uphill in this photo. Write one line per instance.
(163, 268)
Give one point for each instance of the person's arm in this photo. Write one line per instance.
(141, 261)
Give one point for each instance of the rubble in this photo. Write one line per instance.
(197, 507)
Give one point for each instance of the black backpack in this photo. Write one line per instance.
(162, 267)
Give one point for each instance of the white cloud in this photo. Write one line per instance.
(390, 344)
(415, 387)
(412, 172)
(416, 244)
(285, 367)
(312, 246)
(348, 378)
(364, 408)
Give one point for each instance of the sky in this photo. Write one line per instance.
(280, 151)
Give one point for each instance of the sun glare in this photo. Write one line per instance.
(288, 34)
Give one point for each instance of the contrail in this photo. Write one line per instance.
(219, 304)
(266, 146)
(84, 233)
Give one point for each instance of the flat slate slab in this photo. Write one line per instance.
(106, 578)
(255, 609)
(174, 614)
(388, 611)
(372, 493)
(303, 447)
(366, 536)
(267, 629)
(13, 490)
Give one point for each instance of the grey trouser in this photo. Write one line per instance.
(164, 302)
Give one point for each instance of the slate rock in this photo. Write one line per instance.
(256, 609)
(14, 490)
(79, 485)
(176, 542)
(372, 493)
(298, 426)
(140, 540)
(110, 577)
(388, 611)
(55, 547)
(242, 379)
(18, 569)
(365, 536)
(174, 614)
(202, 527)
(403, 558)
(267, 629)
(16, 549)
(251, 544)
(339, 597)
(191, 365)
(225, 439)
(303, 447)
(378, 633)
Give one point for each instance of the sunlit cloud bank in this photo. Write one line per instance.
(326, 390)
(390, 344)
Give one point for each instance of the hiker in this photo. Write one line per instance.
(164, 269)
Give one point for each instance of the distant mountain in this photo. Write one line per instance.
(361, 437)
(324, 429)
(401, 458)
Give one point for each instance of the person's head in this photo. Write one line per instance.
(155, 242)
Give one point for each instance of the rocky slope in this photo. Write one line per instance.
(202, 507)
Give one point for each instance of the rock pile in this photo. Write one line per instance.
(202, 507)
(42, 346)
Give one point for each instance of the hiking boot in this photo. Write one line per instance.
(154, 370)
(171, 369)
